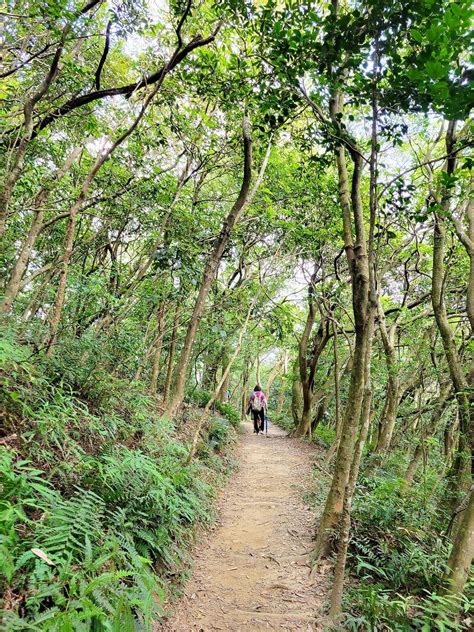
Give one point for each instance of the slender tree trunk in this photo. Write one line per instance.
(276, 370)
(13, 171)
(76, 207)
(365, 411)
(321, 400)
(345, 523)
(307, 366)
(463, 460)
(14, 283)
(462, 553)
(296, 394)
(158, 348)
(225, 384)
(357, 258)
(337, 384)
(333, 449)
(245, 195)
(258, 376)
(281, 401)
(321, 339)
(363, 303)
(33, 306)
(392, 398)
(245, 386)
(171, 352)
(215, 395)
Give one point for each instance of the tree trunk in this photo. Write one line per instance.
(14, 170)
(345, 523)
(281, 401)
(14, 283)
(322, 402)
(35, 303)
(304, 423)
(276, 370)
(258, 376)
(171, 351)
(428, 431)
(337, 383)
(308, 366)
(333, 449)
(392, 398)
(296, 394)
(225, 383)
(365, 410)
(334, 502)
(463, 459)
(158, 348)
(358, 264)
(210, 272)
(218, 388)
(462, 553)
(244, 395)
(76, 207)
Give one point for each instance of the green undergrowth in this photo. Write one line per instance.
(397, 556)
(283, 421)
(396, 559)
(200, 398)
(97, 503)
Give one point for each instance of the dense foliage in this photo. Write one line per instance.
(200, 195)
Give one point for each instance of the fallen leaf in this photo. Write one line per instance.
(42, 555)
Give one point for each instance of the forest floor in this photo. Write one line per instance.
(251, 572)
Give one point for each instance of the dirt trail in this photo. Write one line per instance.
(252, 572)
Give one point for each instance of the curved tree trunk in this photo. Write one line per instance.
(358, 264)
(158, 348)
(170, 362)
(345, 523)
(308, 366)
(210, 272)
(14, 283)
(73, 212)
(296, 394)
(462, 553)
(14, 169)
(463, 460)
(392, 398)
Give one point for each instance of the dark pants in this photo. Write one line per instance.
(258, 420)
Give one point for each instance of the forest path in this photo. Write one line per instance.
(252, 571)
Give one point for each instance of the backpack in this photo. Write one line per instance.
(257, 401)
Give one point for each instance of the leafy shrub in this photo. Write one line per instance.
(390, 540)
(324, 435)
(399, 557)
(63, 562)
(283, 421)
(219, 433)
(200, 398)
(377, 609)
(106, 499)
(229, 412)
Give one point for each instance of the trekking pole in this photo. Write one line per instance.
(266, 424)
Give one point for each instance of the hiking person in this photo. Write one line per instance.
(258, 406)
